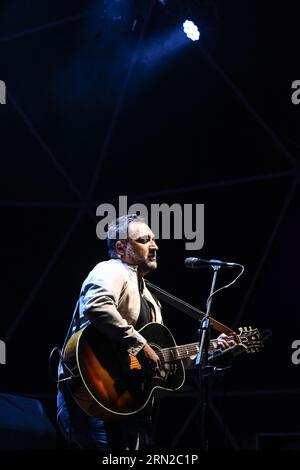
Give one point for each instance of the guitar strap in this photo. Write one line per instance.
(186, 308)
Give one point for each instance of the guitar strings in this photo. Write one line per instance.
(186, 350)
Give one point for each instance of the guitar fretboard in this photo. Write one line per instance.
(250, 338)
(181, 352)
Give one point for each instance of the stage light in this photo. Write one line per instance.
(191, 30)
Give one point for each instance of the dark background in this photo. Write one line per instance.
(95, 110)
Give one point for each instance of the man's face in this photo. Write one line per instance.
(141, 248)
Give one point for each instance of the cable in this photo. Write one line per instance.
(227, 285)
(72, 375)
(51, 373)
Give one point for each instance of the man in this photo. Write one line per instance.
(115, 299)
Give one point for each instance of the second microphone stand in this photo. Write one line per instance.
(202, 361)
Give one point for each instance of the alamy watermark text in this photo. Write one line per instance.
(177, 221)
(296, 354)
(2, 92)
(2, 352)
(296, 93)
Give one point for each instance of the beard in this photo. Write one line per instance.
(146, 266)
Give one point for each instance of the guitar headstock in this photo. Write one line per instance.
(250, 338)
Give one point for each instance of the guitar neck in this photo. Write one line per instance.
(248, 337)
(182, 352)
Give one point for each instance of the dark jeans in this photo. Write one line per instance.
(93, 433)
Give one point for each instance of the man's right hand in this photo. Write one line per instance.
(150, 356)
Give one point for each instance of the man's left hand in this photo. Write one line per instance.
(224, 341)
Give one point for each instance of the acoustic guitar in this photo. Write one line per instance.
(108, 383)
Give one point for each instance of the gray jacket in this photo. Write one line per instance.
(110, 299)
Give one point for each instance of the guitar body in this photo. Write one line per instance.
(110, 383)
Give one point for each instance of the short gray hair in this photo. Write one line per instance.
(118, 231)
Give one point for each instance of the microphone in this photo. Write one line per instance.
(195, 263)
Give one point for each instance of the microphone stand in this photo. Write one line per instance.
(202, 361)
